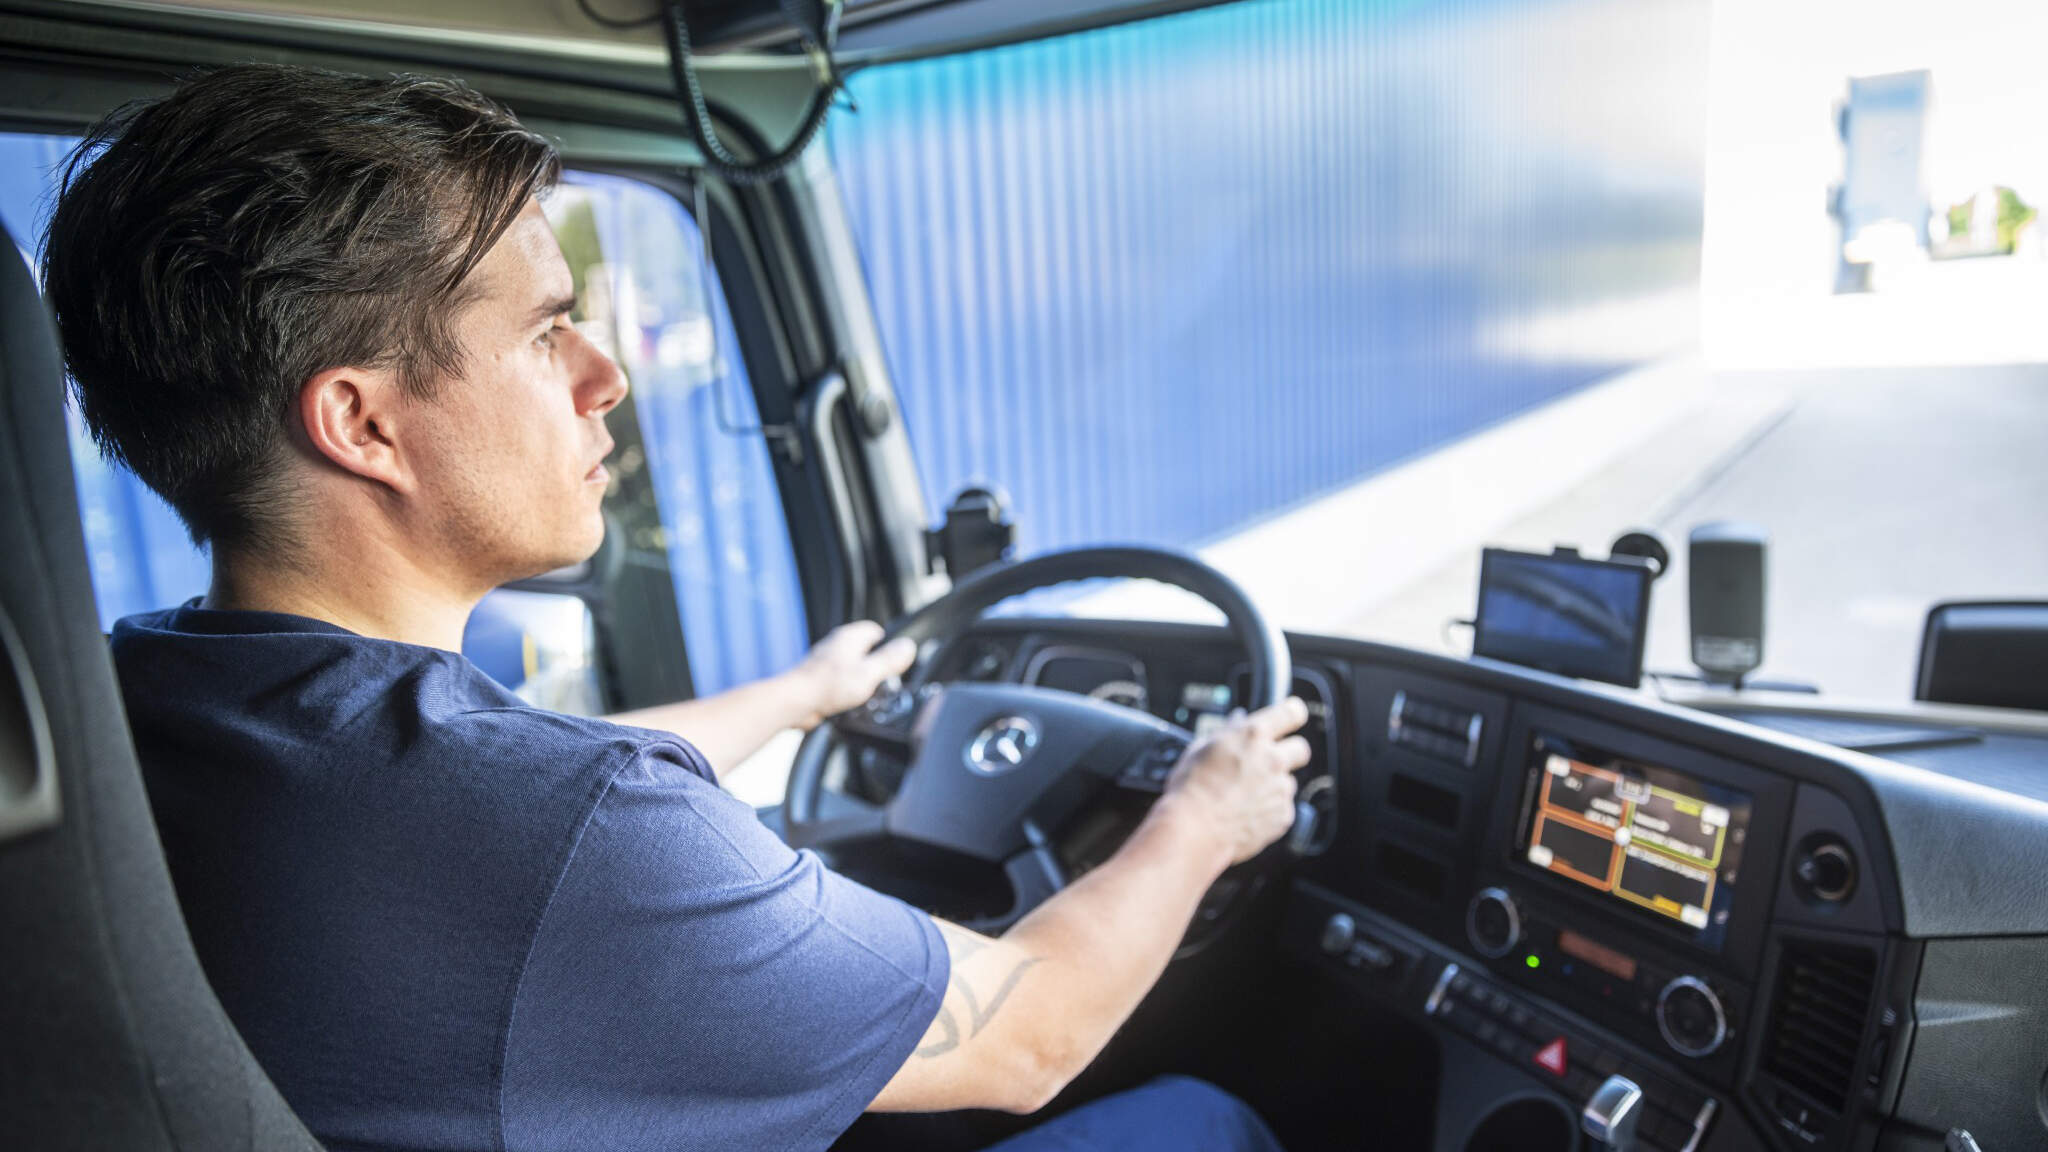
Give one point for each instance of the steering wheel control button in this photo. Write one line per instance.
(1691, 1018)
(1148, 772)
(1553, 1057)
(891, 706)
(1492, 923)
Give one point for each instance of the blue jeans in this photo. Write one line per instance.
(1170, 1114)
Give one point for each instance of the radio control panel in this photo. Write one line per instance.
(1660, 1000)
(1387, 962)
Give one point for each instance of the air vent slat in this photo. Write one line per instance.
(1823, 999)
(1834, 1031)
(1836, 991)
(1844, 1017)
(1441, 731)
(1830, 973)
(1824, 1057)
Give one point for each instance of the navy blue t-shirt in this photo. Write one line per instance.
(445, 919)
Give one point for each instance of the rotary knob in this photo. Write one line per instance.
(1691, 1018)
(1825, 871)
(1492, 923)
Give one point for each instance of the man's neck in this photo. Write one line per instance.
(389, 602)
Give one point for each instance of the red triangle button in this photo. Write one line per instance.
(1550, 1057)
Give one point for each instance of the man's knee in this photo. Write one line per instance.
(1207, 1113)
(1169, 1114)
(1198, 1096)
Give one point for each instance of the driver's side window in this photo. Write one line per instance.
(693, 493)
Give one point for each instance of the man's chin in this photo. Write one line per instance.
(567, 563)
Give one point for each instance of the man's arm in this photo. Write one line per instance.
(1024, 1014)
(841, 672)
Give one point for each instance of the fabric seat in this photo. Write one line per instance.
(110, 1037)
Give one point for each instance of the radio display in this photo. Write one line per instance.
(1642, 834)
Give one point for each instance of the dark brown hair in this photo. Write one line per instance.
(213, 250)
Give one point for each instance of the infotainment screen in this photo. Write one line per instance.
(1642, 834)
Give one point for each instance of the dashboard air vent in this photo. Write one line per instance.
(1425, 802)
(1439, 730)
(1816, 1034)
(1420, 875)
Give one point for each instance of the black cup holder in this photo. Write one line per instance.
(1525, 1124)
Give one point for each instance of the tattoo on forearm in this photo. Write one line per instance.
(956, 1024)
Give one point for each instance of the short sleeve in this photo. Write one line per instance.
(696, 984)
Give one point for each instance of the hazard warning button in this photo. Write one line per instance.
(1551, 1057)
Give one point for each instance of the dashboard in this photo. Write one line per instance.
(1754, 939)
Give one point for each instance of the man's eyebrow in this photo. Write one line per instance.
(556, 306)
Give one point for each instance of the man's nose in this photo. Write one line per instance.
(601, 384)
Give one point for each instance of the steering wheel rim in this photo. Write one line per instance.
(946, 618)
(1079, 733)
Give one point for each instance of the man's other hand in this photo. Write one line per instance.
(1240, 779)
(846, 668)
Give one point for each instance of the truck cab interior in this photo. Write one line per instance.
(988, 318)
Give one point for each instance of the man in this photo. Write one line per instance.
(325, 318)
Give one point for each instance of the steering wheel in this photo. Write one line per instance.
(994, 766)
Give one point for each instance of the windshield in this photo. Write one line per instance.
(1337, 295)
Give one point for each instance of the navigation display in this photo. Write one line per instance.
(1564, 613)
(1643, 834)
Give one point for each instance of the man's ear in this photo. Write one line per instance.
(350, 418)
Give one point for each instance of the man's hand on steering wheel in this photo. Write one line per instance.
(997, 770)
(846, 668)
(1239, 780)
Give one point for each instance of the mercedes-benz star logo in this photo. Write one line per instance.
(1002, 746)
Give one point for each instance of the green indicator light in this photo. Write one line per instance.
(1533, 961)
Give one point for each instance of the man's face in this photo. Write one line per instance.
(508, 455)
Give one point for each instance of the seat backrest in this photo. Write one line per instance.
(109, 1035)
(1989, 652)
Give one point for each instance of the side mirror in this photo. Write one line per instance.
(1992, 653)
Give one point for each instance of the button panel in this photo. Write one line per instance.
(1147, 772)
(1491, 1012)
(1675, 1116)
(1623, 991)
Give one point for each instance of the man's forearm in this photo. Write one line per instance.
(733, 725)
(1024, 1014)
(1105, 940)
